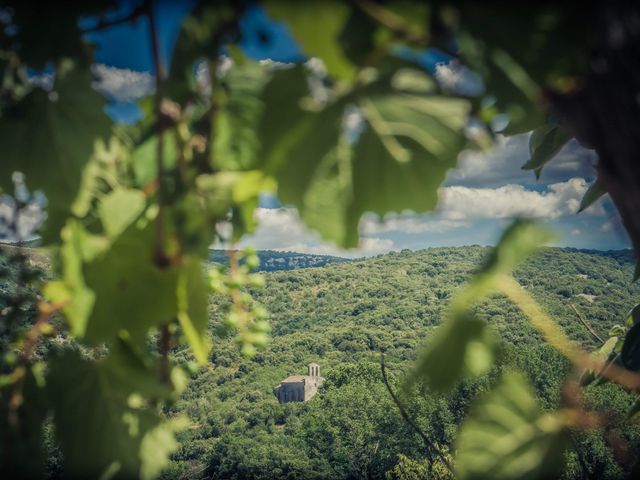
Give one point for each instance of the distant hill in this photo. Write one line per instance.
(340, 316)
(273, 261)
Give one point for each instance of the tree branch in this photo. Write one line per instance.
(430, 445)
(103, 23)
(587, 326)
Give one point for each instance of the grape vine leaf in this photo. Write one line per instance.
(463, 347)
(463, 340)
(49, 136)
(545, 142)
(507, 436)
(23, 455)
(101, 431)
(317, 27)
(408, 139)
(236, 117)
(192, 298)
(593, 193)
(119, 208)
(120, 279)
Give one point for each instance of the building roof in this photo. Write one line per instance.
(295, 378)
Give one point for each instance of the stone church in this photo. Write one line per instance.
(300, 388)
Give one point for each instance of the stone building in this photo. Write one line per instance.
(300, 388)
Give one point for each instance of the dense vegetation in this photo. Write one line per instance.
(361, 122)
(271, 260)
(342, 316)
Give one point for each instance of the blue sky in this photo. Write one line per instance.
(477, 201)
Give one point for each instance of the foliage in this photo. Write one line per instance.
(132, 211)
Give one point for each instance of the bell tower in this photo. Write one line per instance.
(314, 370)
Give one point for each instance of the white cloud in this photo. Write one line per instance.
(281, 229)
(561, 199)
(409, 223)
(122, 84)
(502, 164)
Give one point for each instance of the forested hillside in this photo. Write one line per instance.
(271, 260)
(341, 316)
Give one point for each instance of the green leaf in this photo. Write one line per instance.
(461, 348)
(523, 55)
(50, 137)
(545, 142)
(463, 340)
(507, 436)
(239, 110)
(23, 455)
(521, 239)
(634, 409)
(143, 159)
(630, 354)
(192, 300)
(398, 162)
(595, 191)
(317, 26)
(604, 353)
(99, 430)
(134, 370)
(120, 279)
(78, 246)
(633, 317)
(119, 208)
(198, 41)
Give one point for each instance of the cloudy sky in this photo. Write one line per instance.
(477, 201)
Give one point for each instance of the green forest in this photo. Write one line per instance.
(341, 316)
(142, 335)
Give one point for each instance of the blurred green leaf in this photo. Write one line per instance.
(71, 290)
(595, 191)
(192, 301)
(507, 436)
(119, 208)
(519, 240)
(545, 142)
(23, 455)
(236, 118)
(99, 431)
(143, 159)
(630, 353)
(120, 279)
(317, 26)
(463, 347)
(60, 126)
(603, 354)
(463, 340)
(397, 163)
(198, 41)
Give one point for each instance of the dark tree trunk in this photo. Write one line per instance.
(605, 114)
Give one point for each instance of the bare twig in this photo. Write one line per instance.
(430, 445)
(45, 312)
(103, 23)
(587, 326)
(160, 257)
(159, 253)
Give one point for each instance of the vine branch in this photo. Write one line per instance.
(587, 326)
(405, 416)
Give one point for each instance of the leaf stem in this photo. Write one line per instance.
(159, 253)
(390, 20)
(553, 334)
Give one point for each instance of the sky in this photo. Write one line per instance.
(476, 203)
